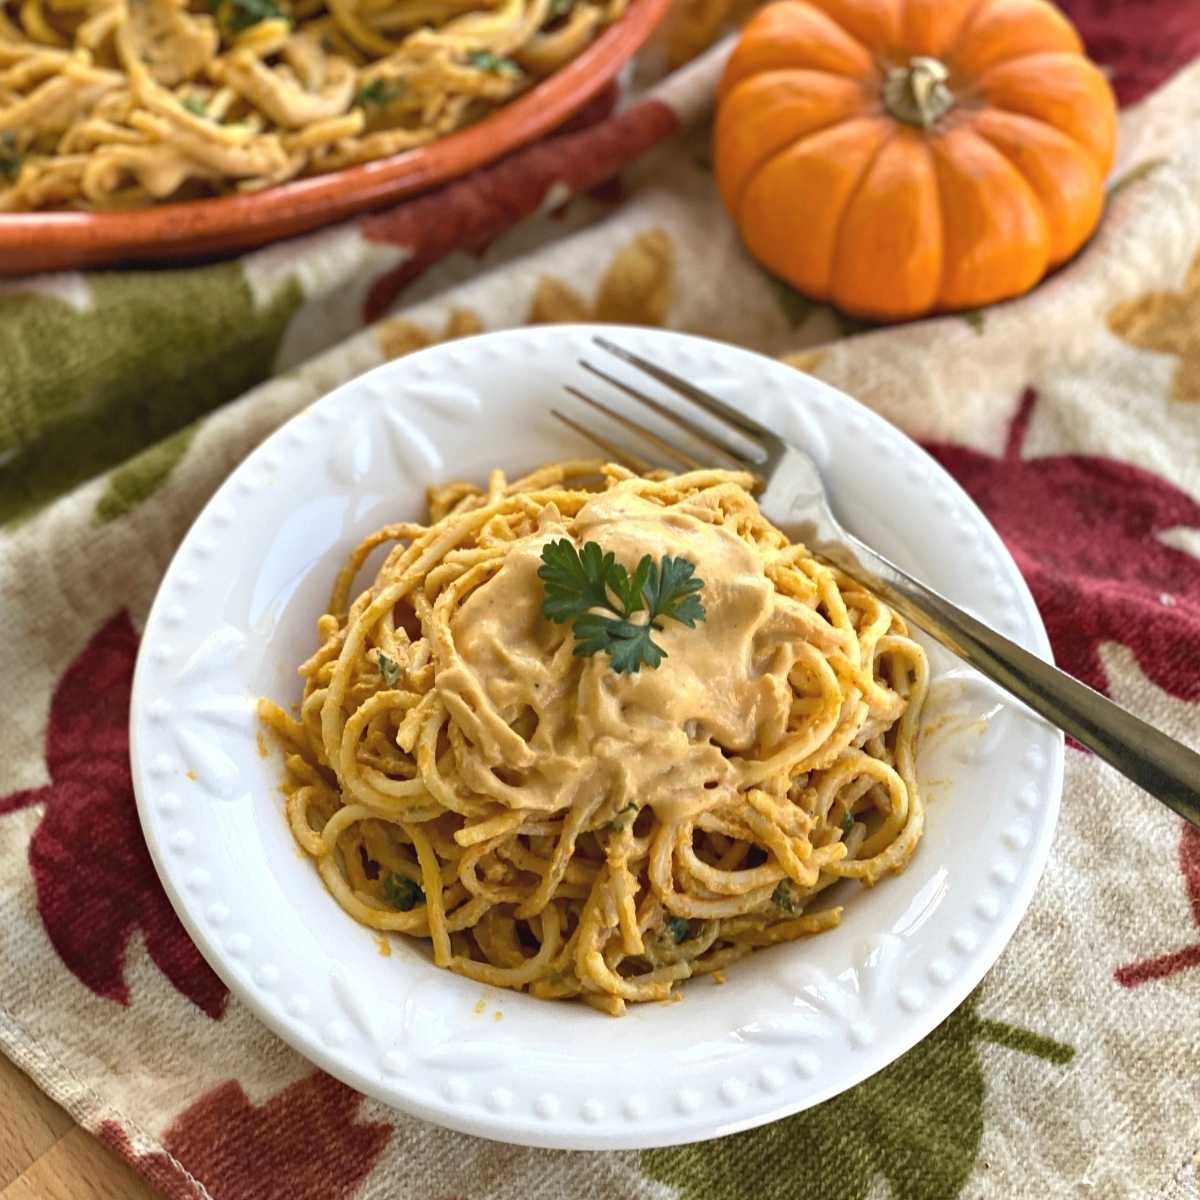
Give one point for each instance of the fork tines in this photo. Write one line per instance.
(716, 408)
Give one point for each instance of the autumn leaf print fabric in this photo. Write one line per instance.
(1071, 416)
(95, 884)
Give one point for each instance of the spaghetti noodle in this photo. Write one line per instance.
(120, 103)
(460, 774)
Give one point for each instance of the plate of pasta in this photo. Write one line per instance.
(152, 129)
(575, 805)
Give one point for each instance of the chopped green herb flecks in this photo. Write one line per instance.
(485, 60)
(578, 582)
(389, 669)
(560, 8)
(784, 897)
(847, 821)
(679, 928)
(195, 105)
(235, 15)
(623, 818)
(402, 893)
(379, 93)
(10, 157)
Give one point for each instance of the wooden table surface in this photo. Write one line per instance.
(44, 1155)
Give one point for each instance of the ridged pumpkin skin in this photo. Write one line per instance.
(902, 157)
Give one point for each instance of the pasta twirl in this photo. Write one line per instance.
(461, 770)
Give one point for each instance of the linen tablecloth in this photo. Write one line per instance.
(1071, 415)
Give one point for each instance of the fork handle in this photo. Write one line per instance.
(1165, 768)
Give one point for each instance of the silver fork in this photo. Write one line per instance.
(793, 496)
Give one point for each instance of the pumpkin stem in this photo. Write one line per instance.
(917, 94)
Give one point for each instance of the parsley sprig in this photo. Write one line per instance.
(579, 582)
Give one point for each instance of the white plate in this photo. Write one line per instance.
(794, 1024)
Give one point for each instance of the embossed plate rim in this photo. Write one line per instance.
(794, 1025)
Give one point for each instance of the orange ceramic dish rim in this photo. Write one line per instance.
(45, 241)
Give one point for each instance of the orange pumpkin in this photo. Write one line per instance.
(901, 157)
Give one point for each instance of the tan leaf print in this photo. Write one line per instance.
(691, 26)
(637, 288)
(639, 284)
(555, 302)
(1167, 323)
(808, 361)
(398, 336)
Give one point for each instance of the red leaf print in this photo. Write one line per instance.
(1141, 42)
(470, 213)
(1189, 864)
(95, 881)
(1084, 531)
(1133, 974)
(304, 1144)
(597, 109)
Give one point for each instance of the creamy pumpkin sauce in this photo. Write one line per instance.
(461, 775)
(669, 737)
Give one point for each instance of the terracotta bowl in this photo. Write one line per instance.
(49, 241)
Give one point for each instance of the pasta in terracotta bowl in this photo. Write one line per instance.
(164, 129)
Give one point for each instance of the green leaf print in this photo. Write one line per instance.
(142, 476)
(1135, 175)
(82, 391)
(849, 325)
(917, 1124)
(795, 307)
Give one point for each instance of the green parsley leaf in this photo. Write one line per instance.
(632, 591)
(195, 105)
(10, 157)
(402, 893)
(379, 93)
(628, 645)
(847, 822)
(485, 60)
(679, 928)
(672, 591)
(560, 8)
(784, 897)
(578, 582)
(574, 582)
(389, 669)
